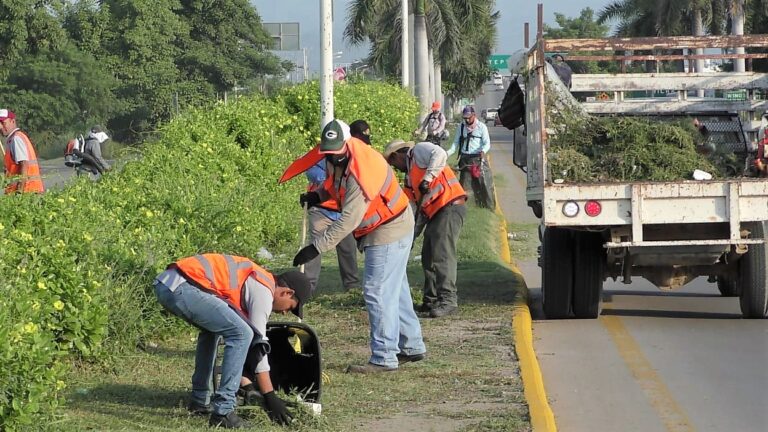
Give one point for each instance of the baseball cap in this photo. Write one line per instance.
(396, 145)
(299, 283)
(335, 134)
(6, 114)
(469, 109)
(435, 105)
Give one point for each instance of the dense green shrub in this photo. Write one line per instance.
(389, 110)
(76, 264)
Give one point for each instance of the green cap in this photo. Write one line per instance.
(334, 135)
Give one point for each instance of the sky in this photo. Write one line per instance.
(514, 13)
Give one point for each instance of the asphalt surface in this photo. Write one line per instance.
(653, 361)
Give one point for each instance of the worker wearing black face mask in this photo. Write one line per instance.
(360, 130)
(473, 143)
(376, 211)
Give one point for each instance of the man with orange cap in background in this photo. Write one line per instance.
(434, 125)
(20, 157)
(376, 211)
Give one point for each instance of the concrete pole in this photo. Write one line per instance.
(405, 45)
(411, 54)
(421, 57)
(439, 83)
(431, 68)
(326, 62)
(737, 18)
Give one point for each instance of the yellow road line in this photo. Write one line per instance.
(670, 412)
(542, 418)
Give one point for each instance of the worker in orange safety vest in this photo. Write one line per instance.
(440, 200)
(376, 211)
(230, 297)
(21, 164)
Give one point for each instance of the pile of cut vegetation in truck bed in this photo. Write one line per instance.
(602, 149)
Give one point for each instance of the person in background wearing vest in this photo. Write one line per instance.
(473, 143)
(321, 216)
(376, 211)
(230, 297)
(433, 125)
(21, 163)
(360, 130)
(436, 191)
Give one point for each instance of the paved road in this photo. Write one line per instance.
(653, 361)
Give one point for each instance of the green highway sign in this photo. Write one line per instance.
(498, 61)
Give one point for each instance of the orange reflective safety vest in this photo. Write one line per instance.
(33, 180)
(443, 190)
(224, 276)
(377, 182)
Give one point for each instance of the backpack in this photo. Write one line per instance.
(73, 151)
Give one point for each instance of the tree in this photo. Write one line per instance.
(585, 26)
(226, 45)
(462, 34)
(26, 27)
(60, 92)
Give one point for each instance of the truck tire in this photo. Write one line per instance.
(588, 270)
(753, 269)
(557, 273)
(727, 287)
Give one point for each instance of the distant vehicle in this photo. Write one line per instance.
(498, 81)
(490, 114)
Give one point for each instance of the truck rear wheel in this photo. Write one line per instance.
(589, 265)
(556, 273)
(753, 269)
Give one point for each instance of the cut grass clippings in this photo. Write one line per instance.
(469, 381)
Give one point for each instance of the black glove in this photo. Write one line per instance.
(309, 198)
(424, 187)
(305, 255)
(276, 409)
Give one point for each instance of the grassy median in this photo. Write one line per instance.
(469, 382)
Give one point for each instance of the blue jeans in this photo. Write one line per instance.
(395, 327)
(214, 318)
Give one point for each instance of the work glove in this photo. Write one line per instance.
(305, 255)
(276, 409)
(424, 187)
(309, 198)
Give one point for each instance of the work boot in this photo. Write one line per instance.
(228, 421)
(424, 307)
(443, 310)
(369, 368)
(195, 408)
(405, 358)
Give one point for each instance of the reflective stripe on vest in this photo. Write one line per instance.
(33, 179)
(443, 190)
(224, 276)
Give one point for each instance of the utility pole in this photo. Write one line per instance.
(304, 57)
(405, 68)
(326, 62)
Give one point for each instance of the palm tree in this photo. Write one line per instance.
(461, 34)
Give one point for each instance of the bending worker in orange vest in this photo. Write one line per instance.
(433, 186)
(231, 297)
(20, 157)
(376, 211)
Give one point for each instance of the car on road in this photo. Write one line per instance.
(490, 114)
(498, 81)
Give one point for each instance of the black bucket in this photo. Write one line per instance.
(294, 360)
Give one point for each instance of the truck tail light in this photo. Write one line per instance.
(592, 208)
(570, 209)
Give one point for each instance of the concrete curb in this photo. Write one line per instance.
(542, 417)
